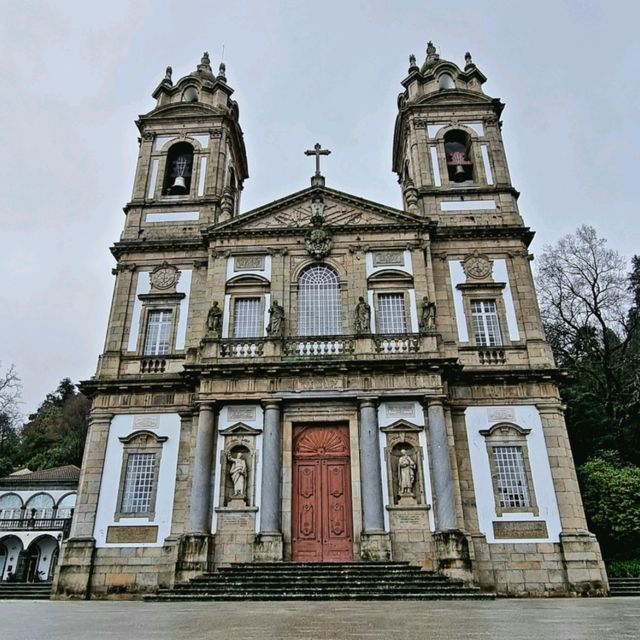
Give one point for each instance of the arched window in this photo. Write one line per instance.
(445, 81)
(190, 94)
(177, 176)
(10, 507)
(39, 506)
(457, 148)
(66, 505)
(319, 303)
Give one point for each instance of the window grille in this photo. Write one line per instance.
(319, 303)
(485, 323)
(513, 488)
(158, 333)
(391, 313)
(138, 483)
(246, 318)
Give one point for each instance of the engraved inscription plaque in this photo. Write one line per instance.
(132, 534)
(146, 421)
(241, 413)
(520, 529)
(497, 414)
(400, 409)
(388, 258)
(249, 263)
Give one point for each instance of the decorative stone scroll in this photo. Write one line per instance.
(164, 277)
(477, 266)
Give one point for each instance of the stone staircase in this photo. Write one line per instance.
(321, 581)
(25, 590)
(624, 586)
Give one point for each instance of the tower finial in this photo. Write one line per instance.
(167, 75)
(222, 69)
(412, 63)
(432, 55)
(205, 63)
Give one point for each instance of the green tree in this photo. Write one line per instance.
(54, 435)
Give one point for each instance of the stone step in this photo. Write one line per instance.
(278, 595)
(25, 591)
(318, 581)
(624, 586)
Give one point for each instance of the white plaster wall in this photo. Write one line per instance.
(527, 417)
(500, 274)
(173, 216)
(414, 415)
(225, 421)
(183, 286)
(458, 277)
(122, 425)
(143, 286)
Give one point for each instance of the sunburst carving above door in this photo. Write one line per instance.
(322, 442)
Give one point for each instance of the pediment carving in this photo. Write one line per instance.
(240, 429)
(401, 426)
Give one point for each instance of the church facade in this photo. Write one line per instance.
(326, 378)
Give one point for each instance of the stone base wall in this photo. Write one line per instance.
(410, 536)
(570, 568)
(375, 547)
(235, 536)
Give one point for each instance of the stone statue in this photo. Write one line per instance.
(238, 473)
(275, 328)
(428, 315)
(167, 74)
(362, 317)
(214, 320)
(406, 474)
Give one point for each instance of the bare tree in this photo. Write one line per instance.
(10, 393)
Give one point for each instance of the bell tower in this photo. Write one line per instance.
(192, 162)
(448, 151)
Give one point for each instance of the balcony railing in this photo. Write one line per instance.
(318, 346)
(242, 348)
(37, 524)
(400, 343)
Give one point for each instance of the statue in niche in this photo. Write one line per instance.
(238, 473)
(428, 315)
(275, 328)
(363, 317)
(214, 320)
(406, 474)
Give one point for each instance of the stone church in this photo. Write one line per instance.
(326, 378)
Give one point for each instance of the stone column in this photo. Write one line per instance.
(199, 516)
(370, 471)
(270, 506)
(441, 466)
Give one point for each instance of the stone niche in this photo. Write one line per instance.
(408, 508)
(236, 515)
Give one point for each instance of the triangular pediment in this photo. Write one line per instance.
(401, 426)
(240, 429)
(340, 210)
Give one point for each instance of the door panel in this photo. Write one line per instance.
(321, 504)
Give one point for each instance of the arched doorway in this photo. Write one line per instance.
(4, 555)
(12, 546)
(40, 559)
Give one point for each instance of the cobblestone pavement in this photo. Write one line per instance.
(557, 619)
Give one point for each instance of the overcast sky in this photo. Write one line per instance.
(76, 76)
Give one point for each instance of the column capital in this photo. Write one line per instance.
(206, 405)
(368, 401)
(551, 407)
(434, 400)
(99, 415)
(271, 403)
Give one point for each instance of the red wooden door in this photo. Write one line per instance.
(321, 509)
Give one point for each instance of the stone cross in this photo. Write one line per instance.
(317, 151)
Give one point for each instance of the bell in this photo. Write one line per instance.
(179, 185)
(459, 170)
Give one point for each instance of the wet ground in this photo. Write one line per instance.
(557, 619)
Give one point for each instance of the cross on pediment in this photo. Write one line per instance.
(317, 151)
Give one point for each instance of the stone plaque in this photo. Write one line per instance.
(132, 534)
(498, 414)
(409, 519)
(507, 529)
(241, 413)
(401, 409)
(146, 421)
(388, 258)
(248, 263)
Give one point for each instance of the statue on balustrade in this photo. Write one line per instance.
(428, 315)
(363, 317)
(214, 320)
(275, 328)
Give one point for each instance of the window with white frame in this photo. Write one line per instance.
(39, 506)
(138, 483)
(511, 477)
(141, 456)
(158, 335)
(247, 320)
(10, 507)
(391, 313)
(486, 326)
(319, 302)
(66, 505)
